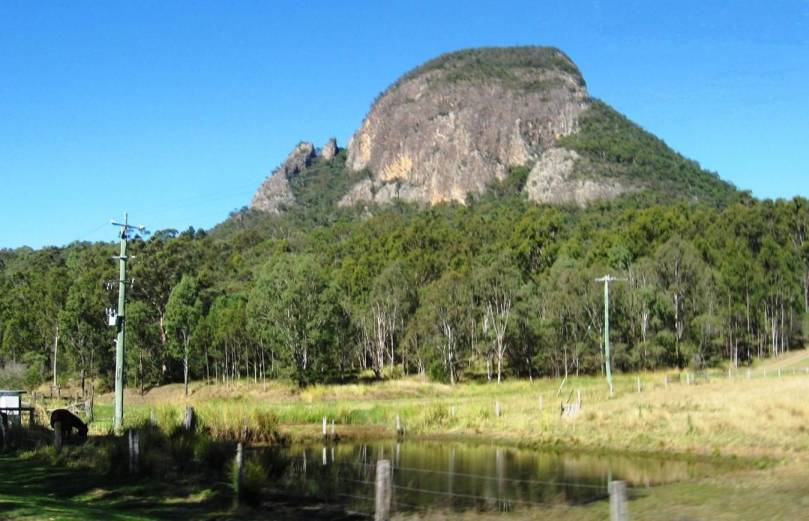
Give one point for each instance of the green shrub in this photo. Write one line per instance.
(437, 372)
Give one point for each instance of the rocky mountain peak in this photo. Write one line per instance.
(455, 124)
(458, 123)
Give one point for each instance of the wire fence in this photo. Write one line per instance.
(364, 487)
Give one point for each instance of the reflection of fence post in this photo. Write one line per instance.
(57, 435)
(618, 506)
(134, 450)
(239, 469)
(383, 491)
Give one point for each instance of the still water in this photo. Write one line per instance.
(458, 476)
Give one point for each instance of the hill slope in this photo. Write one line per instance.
(458, 123)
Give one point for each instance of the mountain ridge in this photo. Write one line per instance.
(454, 125)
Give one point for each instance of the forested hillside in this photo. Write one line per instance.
(497, 288)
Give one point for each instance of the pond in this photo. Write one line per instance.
(455, 476)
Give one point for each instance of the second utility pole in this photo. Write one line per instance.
(606, 279)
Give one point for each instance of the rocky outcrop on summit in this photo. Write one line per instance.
(275, 192)
(455, 124)
(329, 150)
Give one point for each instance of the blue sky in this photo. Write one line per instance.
(176, 111)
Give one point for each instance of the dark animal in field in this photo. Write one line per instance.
(68, 421)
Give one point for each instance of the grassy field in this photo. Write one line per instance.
(759, 423)
(727, 416)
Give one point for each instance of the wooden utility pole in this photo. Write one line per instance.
(119, 322)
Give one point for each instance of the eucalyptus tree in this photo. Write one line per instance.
(182, 314)
(143, 363)
(288, 304)
(390, 304)
(159, 264)
(680, 271)
(445, 302)
(496, 286)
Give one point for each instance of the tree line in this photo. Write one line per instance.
(497, 288)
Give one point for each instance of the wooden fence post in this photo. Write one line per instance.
(57, 435)
(190, 420)
(383, 491)
(399, 429)
(618, 506)
(638, 383)
(665, 381)
(541, 402)
(497, 410)
(325, 434)
(134, 451)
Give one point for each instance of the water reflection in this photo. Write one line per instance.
(458, 476)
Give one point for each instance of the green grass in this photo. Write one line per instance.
(31, 489)
(757, 426)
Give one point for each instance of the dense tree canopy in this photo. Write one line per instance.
(499, 287)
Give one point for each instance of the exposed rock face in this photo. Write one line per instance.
(329, 150)
(551, 181)
(458, 122)
(275, 191)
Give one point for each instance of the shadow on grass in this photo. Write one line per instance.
(32, 490)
